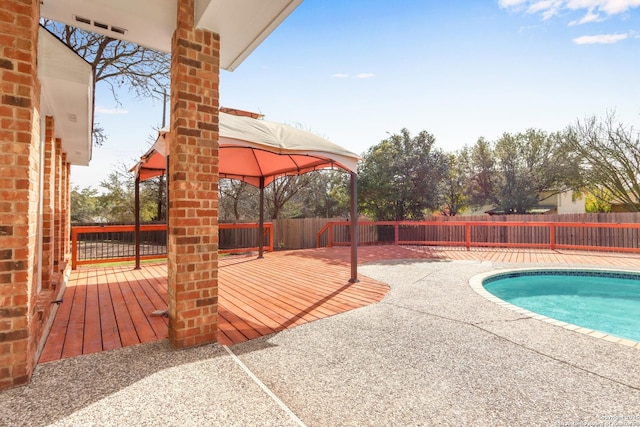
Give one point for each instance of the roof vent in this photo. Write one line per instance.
(83, 20)
(100, 25)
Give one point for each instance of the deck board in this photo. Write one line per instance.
(126, 329)
(110, 307)
(55, 341)
(92, 338)
(75, 328)
(108, 325)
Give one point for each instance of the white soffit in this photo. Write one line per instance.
(66, 95)
(241, 24)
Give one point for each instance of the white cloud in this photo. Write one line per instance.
(589, 17)
(600, 39)
(364, 76)
(610, 7)
(593, 8)
(548, 8)
(340, 75)
(511, 3)
(110, 111)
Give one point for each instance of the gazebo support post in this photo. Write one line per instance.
(137, 217)
(261, 221)
(354, 228)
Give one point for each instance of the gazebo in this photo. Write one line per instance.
(257, 152)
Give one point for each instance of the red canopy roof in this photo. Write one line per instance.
(251, 149)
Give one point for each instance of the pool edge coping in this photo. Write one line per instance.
(476, 283)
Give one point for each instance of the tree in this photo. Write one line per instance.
(598, 200)
(117, 202)
(514, 172)
(399, 177)
(454, 184)
(483, 174)
(282, 190)
(609, 155)
(327, 195)
(116, 63)
(238, 200)
(84, 205)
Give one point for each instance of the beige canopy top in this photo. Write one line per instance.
(252, 149)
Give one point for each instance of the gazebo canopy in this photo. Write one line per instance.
(253, 150)
(257, 152)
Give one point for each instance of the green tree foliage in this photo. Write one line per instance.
(326, 196)
(84, 205)
(483, 174)
(513, 172)
(609, 154)
(453, 189)
(399, 177)
(116, 203)
(118, 200)
(598, 200)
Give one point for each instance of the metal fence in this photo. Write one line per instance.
(91, 244)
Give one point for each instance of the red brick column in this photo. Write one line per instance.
(57, 208)
(66, 211)
(193, 183)
(48, 236)
(19, 170)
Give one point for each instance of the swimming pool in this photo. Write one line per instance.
(598, 300)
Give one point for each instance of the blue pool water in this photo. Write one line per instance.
(604, 301)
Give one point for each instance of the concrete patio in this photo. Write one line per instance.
(432, 352)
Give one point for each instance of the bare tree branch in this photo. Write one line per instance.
(117, 64)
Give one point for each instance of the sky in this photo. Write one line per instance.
(356, 71)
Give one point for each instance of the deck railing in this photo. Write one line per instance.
(114, 243)
(468, 234)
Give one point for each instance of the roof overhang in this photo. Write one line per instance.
(241, 24)
(66, 95)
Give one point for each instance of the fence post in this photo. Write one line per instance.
(552, 236)
(396, 233)
(467, 236)
(330, 236)
(74, 249)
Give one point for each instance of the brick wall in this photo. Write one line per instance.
(48, 203)
(193, 183)
(58, 245)
(65, 193)
(19, 172)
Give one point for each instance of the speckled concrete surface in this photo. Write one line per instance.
(432, 353)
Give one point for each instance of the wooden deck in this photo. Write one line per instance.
(106, 308)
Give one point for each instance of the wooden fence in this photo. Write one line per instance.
(558, 231)
(297, 233)
(613, 232)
